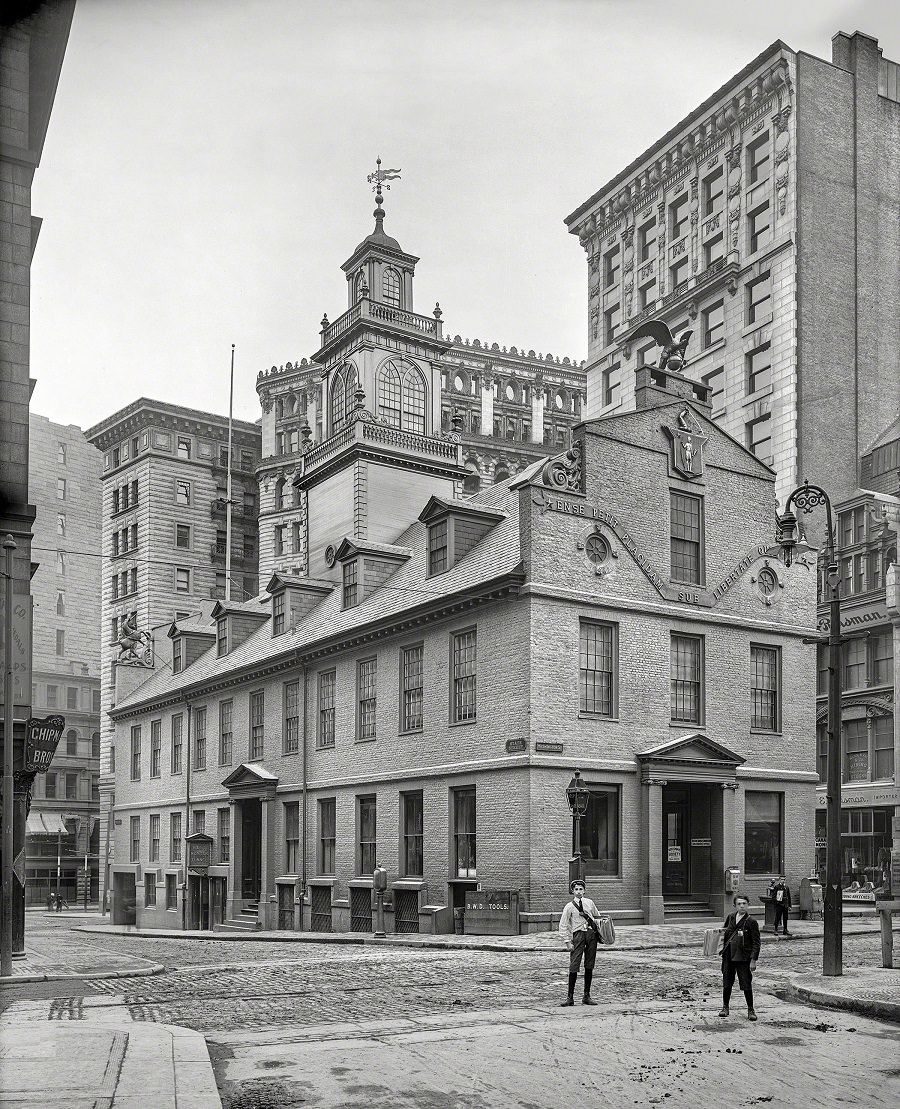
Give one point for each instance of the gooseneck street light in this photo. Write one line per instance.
(807, 497)
(578, 796)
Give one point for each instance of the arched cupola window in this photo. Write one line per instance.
(343, 388)
(402, 396)
(390, 287)
(360, 285)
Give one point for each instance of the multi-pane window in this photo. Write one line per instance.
(224, 829)
(686, 540)
(326, 708)
(61, 453)
(759, 227)
(389, 408)
(611, 383)
(759, 369)
(150, 889)
(52, 694)
(759, 438)
(686, 670)
(171, 891)
(411, 688)
(71, 787)
(177, 743)
(135, 838)
(390, 287)
(678, 274)
(646, 294)
(182, 579)
(854, 663)
(177, 655)
(154, 837)
(678, 217)
(183, 536)
(136, 753)
(612, 319)
(647, 241)
(758, 160)
(175, 837)
(856, 751)
(60, 642)
(715, 382)
(183, 493)
(155, 748)
(291, 837)
(222, 636)
(351, 583)
(883, 739)
(464, 674)
(763, 832)
(61, 488)
(713, 323)
(822, 751)
(596, 668)
(200, 739)
(60, 523)
(367, 835)
(184, 447)
(414, 401)
(291, 717)
(366, 700)
(612, 266)
(764, 687)
(50, 784)
(278, 602)
(437, 547)
(327, 827)
(464, 832)
(226, 714)
(257, 716)
(852, 525)
(759, 299)
(881, 646)
(200, 821)
(713, 192)
(714, 250)
(413, 829)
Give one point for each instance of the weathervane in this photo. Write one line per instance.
(380, 175)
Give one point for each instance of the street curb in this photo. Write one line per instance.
(144, 972)
(884, 1010)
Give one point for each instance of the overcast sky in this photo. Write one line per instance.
(204, 175)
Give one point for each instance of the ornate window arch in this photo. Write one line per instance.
(390, 287)
(360, 285)
(403, 396)
(389, 395)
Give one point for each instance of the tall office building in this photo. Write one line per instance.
(62, 828)
(164, 490)
(768, 221)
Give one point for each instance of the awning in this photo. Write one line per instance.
(45, 824)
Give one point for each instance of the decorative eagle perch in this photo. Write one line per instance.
(672, 356)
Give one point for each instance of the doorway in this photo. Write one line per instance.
(251, 839)
(676, 847)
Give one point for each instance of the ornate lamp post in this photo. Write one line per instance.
(578, 796)
(807, 497)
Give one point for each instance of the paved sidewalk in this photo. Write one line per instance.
(80, 1065)
(86, 960)
(874, 991)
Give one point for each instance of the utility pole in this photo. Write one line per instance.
(6, 934)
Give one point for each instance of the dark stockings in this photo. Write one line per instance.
(726, 996)
(588, 977)
(573, 978)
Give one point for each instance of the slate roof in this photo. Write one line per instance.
(494, 557)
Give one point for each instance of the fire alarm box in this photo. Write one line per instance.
(732, 879)
(379, 878)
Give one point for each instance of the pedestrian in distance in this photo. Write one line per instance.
(579, 928)
(780, 892)
(740, 950)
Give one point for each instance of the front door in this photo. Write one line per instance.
(251, 835)
(676, 845)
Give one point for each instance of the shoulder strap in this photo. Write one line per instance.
(589, 919)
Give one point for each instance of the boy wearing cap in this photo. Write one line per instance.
(780, 892)
(579, 928)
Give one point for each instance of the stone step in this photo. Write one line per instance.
(237, 926)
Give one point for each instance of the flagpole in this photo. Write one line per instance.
(228, 485)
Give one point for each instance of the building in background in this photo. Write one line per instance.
(164, 489)
(31, 55)
(768, 221)
(62, 827)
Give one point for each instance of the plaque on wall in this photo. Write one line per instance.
(513, 746)
(549, 748)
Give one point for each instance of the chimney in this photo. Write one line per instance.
(653, 387)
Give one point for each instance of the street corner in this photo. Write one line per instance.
(870, 991)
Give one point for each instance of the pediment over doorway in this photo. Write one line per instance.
(251, 779)
(692, 757)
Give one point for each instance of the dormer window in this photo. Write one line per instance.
(351, 584)
(454, 528)
(438, 535)
(278, 614)
(390, 287)
(177, 656)
(222, 636)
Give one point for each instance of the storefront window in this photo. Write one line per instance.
(865, 839)
(600, 832)
(762, 833)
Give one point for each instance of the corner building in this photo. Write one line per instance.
(420, 698)
(768, 221)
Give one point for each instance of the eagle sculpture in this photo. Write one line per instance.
(672, 350)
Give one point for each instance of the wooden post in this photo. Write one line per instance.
(884, 910)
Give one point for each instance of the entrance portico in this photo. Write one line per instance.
(251, 789)
(688, 785)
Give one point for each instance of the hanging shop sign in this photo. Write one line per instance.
(42, 737)
(199, 851)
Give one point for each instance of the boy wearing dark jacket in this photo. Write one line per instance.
(740, 950)
(780, 892)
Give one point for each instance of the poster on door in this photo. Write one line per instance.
(674, 855)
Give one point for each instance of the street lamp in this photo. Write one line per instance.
(578, 796)
(807, 497)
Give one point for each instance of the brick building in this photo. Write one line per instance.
(768, 221)
(62, 828)
(164, 489)
(420, 697)
(507, 406)
(867, 527)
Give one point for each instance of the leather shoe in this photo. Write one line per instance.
(723, 1012)
(751, 1015)
(568, 1001)
(588, 1000)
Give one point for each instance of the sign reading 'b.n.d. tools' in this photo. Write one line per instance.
(41, 740)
